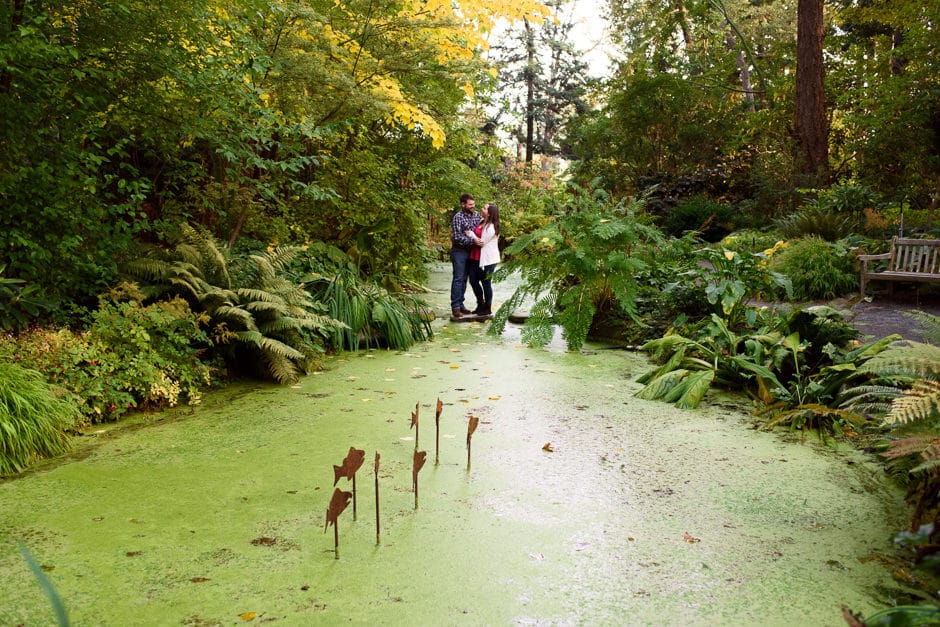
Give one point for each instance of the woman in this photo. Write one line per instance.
(486, 237)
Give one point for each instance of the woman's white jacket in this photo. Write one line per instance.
(489, 254)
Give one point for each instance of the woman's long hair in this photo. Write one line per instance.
(492, 216)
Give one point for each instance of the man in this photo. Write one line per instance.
(464, 220)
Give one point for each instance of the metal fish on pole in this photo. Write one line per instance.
(338, 503)
(377, 536)
(471, 427)
(419, 458)
(353, 462)
(414, 422)
(437, 432)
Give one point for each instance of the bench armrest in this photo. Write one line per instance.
(872, 257)
(864, 259)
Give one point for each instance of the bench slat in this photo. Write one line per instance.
(908, 260)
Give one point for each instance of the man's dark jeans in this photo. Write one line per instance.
(458, 284)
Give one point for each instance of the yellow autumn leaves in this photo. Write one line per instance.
(452, 32)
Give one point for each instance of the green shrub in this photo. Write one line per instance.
(817, 269)
(131, 356)
(149, 352)
(32, 420)
(751, 240)
(19, 303)
(710, 218)
(819, 221)
(579, 269)
(260, 319)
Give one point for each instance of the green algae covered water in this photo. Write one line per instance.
(581, 505)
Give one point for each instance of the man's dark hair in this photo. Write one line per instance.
(465, 197)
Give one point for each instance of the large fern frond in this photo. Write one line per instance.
(930, 324)
(920, 403)
(906, 358)
(233, 314)
(539, 327)
(575, 315)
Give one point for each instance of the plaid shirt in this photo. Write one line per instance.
(461, 222)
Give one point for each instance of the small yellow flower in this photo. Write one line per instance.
(729, 255)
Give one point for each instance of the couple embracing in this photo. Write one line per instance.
(474, 254)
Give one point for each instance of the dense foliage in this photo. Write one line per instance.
(32, 420)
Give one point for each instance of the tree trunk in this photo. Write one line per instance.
(898, 61)
(530, 91)
(684, 24)
(810, 122)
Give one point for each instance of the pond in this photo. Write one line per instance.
(581, 504)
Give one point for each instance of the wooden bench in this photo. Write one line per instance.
(908, 260)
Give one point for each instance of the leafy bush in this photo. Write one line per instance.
(578, 267)
(817, 269)
(796, 364)
(260, 319)
(848, 198)
(131, 356)
(150, 352)
(728, 281)
(19, 303)
(32, 420)
(819, 221)
(711, 219)
(366, 313)
(751, 240)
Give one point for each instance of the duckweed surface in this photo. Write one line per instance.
(580, 505)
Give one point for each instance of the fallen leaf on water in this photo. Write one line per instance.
(538, 557)
(454, 366)
(199, 579)
(248, 615)
(494, 398)
(134, 553)
(547, 447)
(366, 400)
(690, 538)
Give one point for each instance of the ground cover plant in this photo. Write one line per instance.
(33, 421)
(130, 356)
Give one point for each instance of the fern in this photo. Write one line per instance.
(909, 373)
(930, 324)
(254, 314)
(578, 268)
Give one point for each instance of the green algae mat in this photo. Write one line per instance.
(581, 504)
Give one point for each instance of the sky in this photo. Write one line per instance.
(591, 34)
